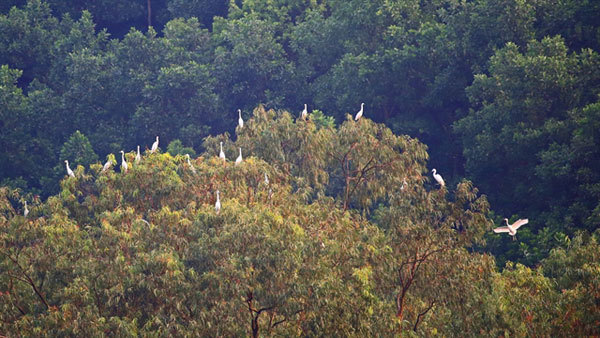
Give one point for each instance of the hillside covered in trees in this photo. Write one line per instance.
(329, 226)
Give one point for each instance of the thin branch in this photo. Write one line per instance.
(420, 315)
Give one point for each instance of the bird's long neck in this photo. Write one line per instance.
(122, 156)
(221, 146)
(218, 198)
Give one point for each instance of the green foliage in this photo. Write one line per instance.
(175, 148)
(521, 138)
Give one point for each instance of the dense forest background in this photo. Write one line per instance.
(504, 93)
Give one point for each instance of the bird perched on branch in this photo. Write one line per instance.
(154, 146)
(438, 178)
(360, 112)
(124, 165)
(221, 153)
(69, 171)
(239, 159)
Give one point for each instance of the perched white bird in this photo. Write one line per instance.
(266, 179)
(404, 184)
(138, 157)
(239, 159)
(512, 228)
(124, 165)
(218, 203)
(304, 113)
(187, 156)
(438, 178)
(69, 171)
(360, 112)
(106, 165)
(221, 153)
(154, 146)
(25, 210)
(240, 120)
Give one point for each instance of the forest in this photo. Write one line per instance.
(159, 176)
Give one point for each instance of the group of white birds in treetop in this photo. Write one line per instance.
(511, 229)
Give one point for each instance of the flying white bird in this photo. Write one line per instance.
(304, 113)
(221, 153)
(69, 171)
(239, 159)
(360, 112)
(25, 210)
(438, 178)
(138, 157)
(154, 146)
(187, 156)
(266, 179)
(512, 228)
(124, 165)
(106, 165)
(218, 203)
(240, 120)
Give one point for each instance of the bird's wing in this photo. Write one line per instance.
(520, 222)
(501, 229)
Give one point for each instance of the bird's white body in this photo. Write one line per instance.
(512, 228)
(404, 184)
(154, 145)
(106, 165)
(266, 179)
(438, 178)
(239, 159)
(69, 171)
(218, 203)
(304, 113)
(124, 165)
(138, 156)
(360, 112)
(221, 153)
(187, 156)
(25, 210)
(240, 120)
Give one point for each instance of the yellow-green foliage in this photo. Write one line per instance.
(145, 253)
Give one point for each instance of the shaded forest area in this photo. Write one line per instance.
(504, 93)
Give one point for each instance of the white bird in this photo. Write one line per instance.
(239, 159)
(221, 153)
(124, 165)
(187, 156)
(438, 178)
(106, 165)
(240, 120)
(154, 146)
(138, 157)
(360, 112)
(404, 184)
(266, 179)
(304, 113)
(218, 203)
(25, 210)
(69, 171)
(512, 228)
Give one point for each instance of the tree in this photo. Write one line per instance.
(516, 139)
